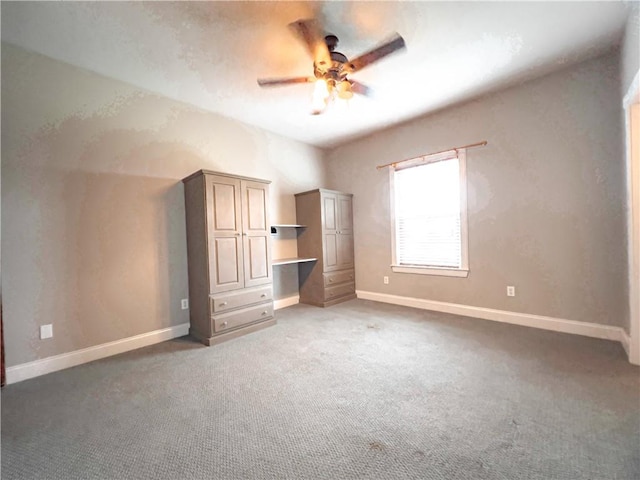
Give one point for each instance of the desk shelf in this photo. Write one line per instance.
(288, 261)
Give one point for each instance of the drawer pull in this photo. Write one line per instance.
(263, 295)
(264, 313)
(331, 280)
(223, 304)
(224, 324)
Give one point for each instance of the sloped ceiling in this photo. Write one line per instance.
(210, 54)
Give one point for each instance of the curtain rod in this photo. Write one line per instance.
(393, 164)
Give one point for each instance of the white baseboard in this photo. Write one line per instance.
(524, 319)
(36, 368)
(286, 302)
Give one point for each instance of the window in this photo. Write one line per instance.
(428, 206)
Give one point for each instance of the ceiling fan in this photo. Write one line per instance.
(331, 68)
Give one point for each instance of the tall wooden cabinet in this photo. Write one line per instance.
(229, 255)
(328, 237)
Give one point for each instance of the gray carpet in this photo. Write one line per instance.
(358, 390)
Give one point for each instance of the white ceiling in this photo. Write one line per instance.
(209, 54)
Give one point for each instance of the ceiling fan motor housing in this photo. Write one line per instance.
(339, 68)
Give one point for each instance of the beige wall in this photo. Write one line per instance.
(93, 215)
(546, 197)
(93, 212)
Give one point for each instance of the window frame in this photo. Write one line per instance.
(463, 270)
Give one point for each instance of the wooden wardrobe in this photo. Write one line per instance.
(229, 255)
(328, 236)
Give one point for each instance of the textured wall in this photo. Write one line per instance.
(546, 197)
(93, 211)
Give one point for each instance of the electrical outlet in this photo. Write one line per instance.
(511, 291)
(385, 280)
(184, 303)
(46, 331)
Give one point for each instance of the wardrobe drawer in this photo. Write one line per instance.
(339, 290)
(231, 320)
(240, 298)
(342, 276)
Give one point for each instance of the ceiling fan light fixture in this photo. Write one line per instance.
(321, 89)
(320, 95)
(344, 90)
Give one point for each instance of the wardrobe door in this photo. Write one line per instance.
(224, 229)
(330, 246)
(344, 238)
(256, 233)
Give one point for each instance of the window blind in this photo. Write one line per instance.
(427, 210)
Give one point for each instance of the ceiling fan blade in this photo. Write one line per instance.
(311, 34)
(274, 82)
(361, 89)
(394, 44)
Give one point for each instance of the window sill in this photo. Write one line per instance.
(443, 272)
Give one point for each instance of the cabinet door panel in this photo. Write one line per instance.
(225, 208)
(257, 236)
(227, 274)
(256, 202)
(330, 241)
(345, 250)
(329, 212)
(224, 219)
(257, 270)
(345, 213)
(345, 231)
